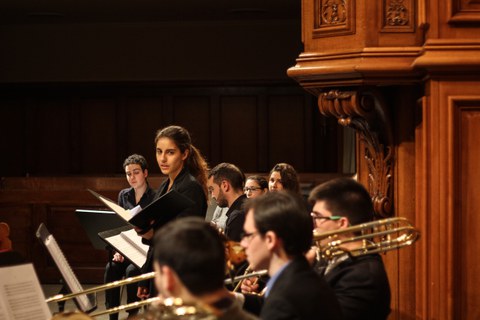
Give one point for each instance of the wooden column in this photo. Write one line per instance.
(418, 65)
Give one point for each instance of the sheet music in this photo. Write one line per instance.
(135, 240)
(130, 245)
(67, 273)
(21, 297)
(125, 214)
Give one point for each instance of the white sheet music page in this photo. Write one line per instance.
(132, 237)
(135, 211)
(21, 297)
(67, 273)
(128, 249)
(125, 214)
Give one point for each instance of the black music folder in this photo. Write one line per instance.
(95, 221)
(162, 209)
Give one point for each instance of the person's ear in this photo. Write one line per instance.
(145, 173)
(168, 278)
(185, 154)
(343, 222)
(225, 185)
(271, 240)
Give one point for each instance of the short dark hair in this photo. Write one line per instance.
(230, 172)
(262, 182)
(136, 159)
(285, 214)
(289, 176)
(345, 197)
(195, 251)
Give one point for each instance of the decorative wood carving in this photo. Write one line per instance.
(399, 16)
(366, 112)
(334, 17)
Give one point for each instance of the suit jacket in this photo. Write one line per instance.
(361, 286)
(298, 293)
(235, 219)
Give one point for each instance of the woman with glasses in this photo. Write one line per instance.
(255, 186)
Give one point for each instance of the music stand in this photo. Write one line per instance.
(96, 221)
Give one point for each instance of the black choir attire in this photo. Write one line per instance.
(233, 231)
(298, 293)
(117, 270)
(361, 286)
(187, 185)
(235, 219)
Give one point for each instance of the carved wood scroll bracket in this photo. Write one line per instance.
(366, 112)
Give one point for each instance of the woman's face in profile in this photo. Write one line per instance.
(275, 182)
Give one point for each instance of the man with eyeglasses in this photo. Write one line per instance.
(360, 283)
(277, 234)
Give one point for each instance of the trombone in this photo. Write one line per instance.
(375, 237)
(145, 276)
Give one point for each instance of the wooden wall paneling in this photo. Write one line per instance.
(421, 191)
(286, 131)
(401, 264)
(327, 140)
(144, 118)
(97, 129)
(98, 134)
(463, 12)
(439, 263)
(262, 134)
(214, 131)
(466, 121)
(308, 133)
(238, 135)
(76, 147)
(168, 116)
(19, 219)
(51, 136)
(12, 137)
(193, 113)
(448, 201)
(122, 129)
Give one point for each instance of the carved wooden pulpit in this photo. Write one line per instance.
(405, 75)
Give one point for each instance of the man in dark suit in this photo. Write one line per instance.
(360, 283)
(277, 234)
(225, 184)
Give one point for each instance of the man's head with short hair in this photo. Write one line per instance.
(229, 172)
(344, 197)
(282, 214)
(194, 251)
(225, 173)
